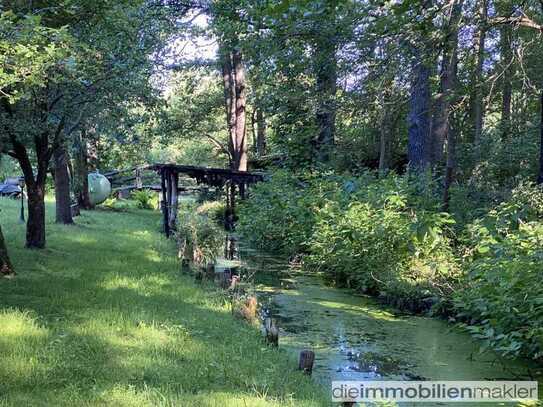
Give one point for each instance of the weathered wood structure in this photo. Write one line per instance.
(232, 180)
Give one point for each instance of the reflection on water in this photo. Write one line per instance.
(356, 338)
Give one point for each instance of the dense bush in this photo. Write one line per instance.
(383, 240)
(119, 204)
(388, 237)
(502, 301)
(145, 199)
(280, 214)
(214, 210)
(380, 236)
(199, 237)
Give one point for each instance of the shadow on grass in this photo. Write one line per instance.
(121, 322)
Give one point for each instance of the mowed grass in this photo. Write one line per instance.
(103, 317)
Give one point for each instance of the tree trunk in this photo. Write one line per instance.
(385, 133)
(260, 133)
(35, 226)
(419, 114)
(81, 172)
(540, 177)
(233, 73)
(477, 82)
(229, 100)
(240, 139)
(449, 168)
(62, 187)
(253, 130)
(440, 121)
(6, 268)
(506, 53)
(326, 87)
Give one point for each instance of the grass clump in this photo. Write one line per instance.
(102, 317)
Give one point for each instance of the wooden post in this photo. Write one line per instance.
(164, 206)
(22, 213)
(210, 271)
(174, 185)
(185, 265)
(234, 282)
(75, 209)
(139, 183)
(249, 309)
(307, 358)
(224, 277)
(272, 333)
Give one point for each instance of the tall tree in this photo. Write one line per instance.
(81, 170)
(233, 73)
(442, 103)
(419, 113)
(540, 176)
(240, 140)
(261, 142)
(62, 186)
(507, 68)
(325, 61)
(477, 108)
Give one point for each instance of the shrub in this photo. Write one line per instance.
(214, 210)
(145, 199)
(381, 236)
(199, 237)
(119, 205)
(384, 242)
(278, 216)
(502, 300)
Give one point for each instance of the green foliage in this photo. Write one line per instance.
(145, 199)
(8, 168)
(119, 204)
(29, 52)
(214, 210)
(279, 215)
(192, 129)
(375, 235)
(388, 237)
(383, 240)
(502, 301)
(199, 236)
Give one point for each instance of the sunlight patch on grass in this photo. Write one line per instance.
(21, 341)
(103, 317)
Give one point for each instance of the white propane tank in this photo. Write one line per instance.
(99, 188)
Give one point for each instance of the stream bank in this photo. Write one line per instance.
(357, 338)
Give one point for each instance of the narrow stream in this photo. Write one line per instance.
(356, 338)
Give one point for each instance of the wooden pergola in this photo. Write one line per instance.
(215, 177)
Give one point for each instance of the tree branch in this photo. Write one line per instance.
(218, 144)
(523, 21)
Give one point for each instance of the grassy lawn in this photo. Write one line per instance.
(103, 317)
